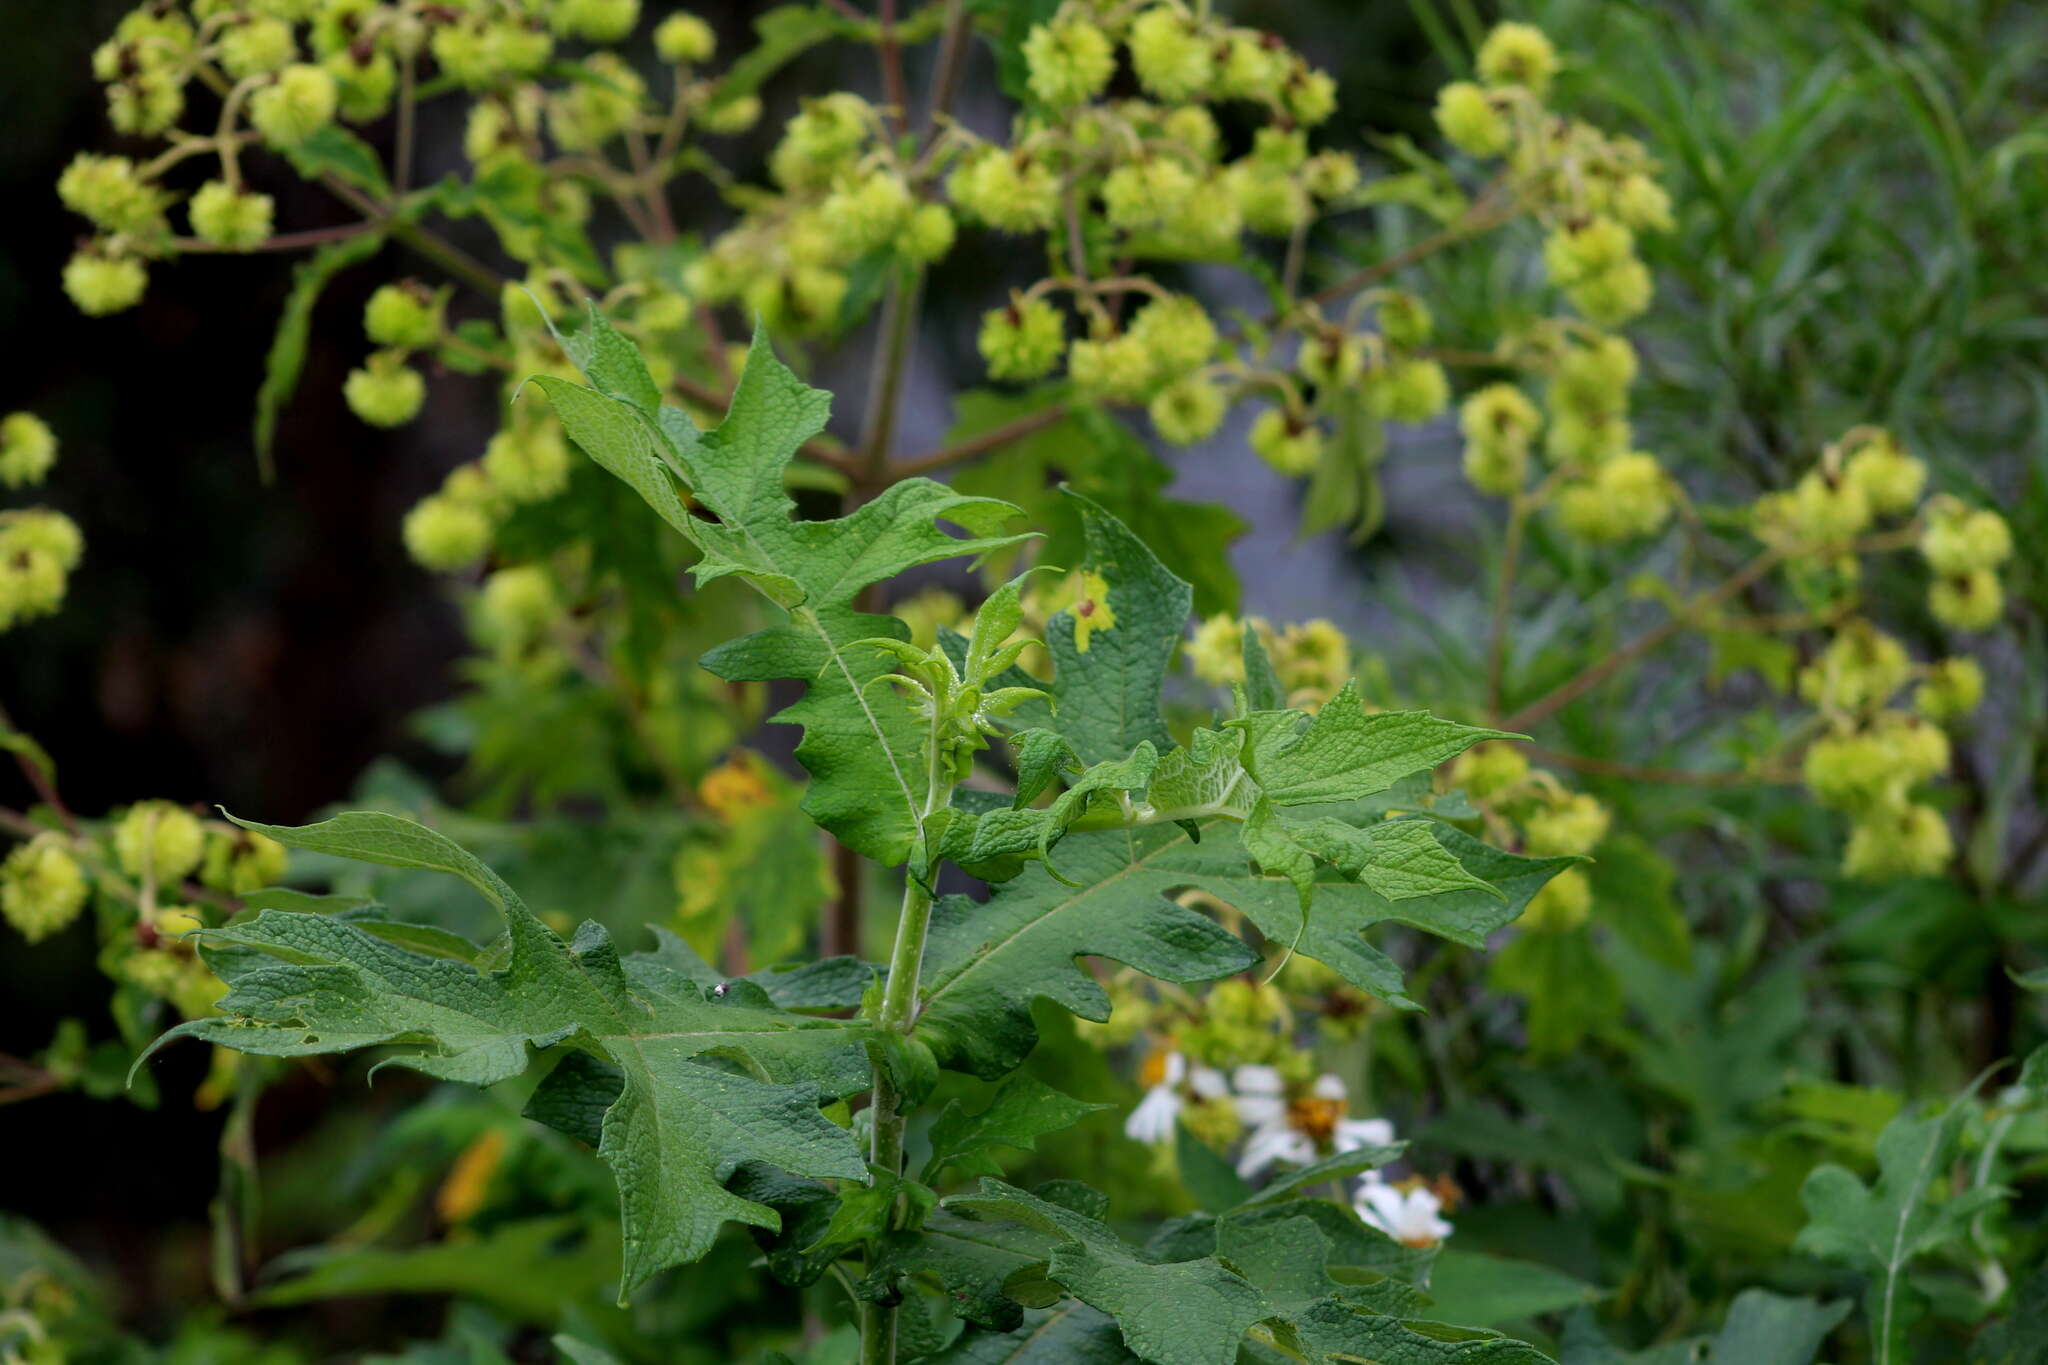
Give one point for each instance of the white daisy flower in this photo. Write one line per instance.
(1413, 1217)
(1301, 1130)
(1163, 1076)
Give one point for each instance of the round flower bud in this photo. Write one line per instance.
(159, 840)
(1627, 497)
(242, 861)
(1518, 54)
(1613, 296)
(298, 105)
(1172, 56)
(594, 21)
(405, 316)
(42, 888)
(1564, 903)
(363, 89)
(1909, 841)
(106, 190)
(1919, 748)
(100, 285)
(1958, 540)
(1216, 652)
(1309, 96)
(1586, 439)
(1642, 203)
(146, 104)
(385, 392)
(1022, 341)
(1405, 320)
(1176, 333)
(1113, 369)
(1250, 66)
(1187, 411)
(1331, 176)
(1280, 149)
(928, 235)
(528, 466)
(817, 142)
(682, 38)
(257, 47)
(590, 113)
(27, 449)
(1862, 667)
(1409, 390)
(867, 214)
(1272, 202)
(1968, 601)
(1331, 359)
(1953, 689)
(229, 217)
(516, 606)
(1572, 824)
(1499, 415)
(1006, 191)
(1589, 247)
(173, 923)
(1498, 470)
(1286, 443)
(1853, 772)
(1487, 770)
(1193, 128)
(1469, 120)
(1594, 378)
(46, 532)
(444, 534)
(1068, 60)
(732, 115)
(1140, 196)
(1888, 477)
(32, 582)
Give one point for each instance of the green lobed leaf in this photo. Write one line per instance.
(865, 788)
(1107, 695)
(1345, 754)
(678, 1121)
(1022, 1110)
(1180, 1313)
(1881, 1228)
(985, 964)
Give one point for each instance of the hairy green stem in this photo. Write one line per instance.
(898, 1014)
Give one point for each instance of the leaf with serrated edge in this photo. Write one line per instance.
(863, 790)
(985, 964)
(1181, 1313)
(1346, 754)
(678, 1125)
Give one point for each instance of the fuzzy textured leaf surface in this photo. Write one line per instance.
(862, 788)
(306, 984)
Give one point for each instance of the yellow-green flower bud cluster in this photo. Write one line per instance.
(159, 841)
(1241, 1023)
(39, 548)
(239, 861)
(28, 448)
(42, 887)
(1499, 424)
(385, 391)
(1312, 659)
(1964, 547)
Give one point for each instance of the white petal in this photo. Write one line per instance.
(1271, 1144)
(1152, 1120)
(1261, 1111)
(1331, 1087)
(1258, 1080)
(1380, 1206)
(1176, 1069)
(1209, 1083)
(1355, 1133)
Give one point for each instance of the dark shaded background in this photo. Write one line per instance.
(256, 646)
